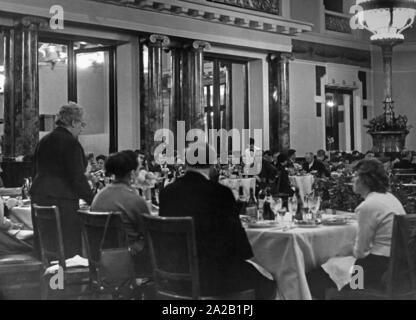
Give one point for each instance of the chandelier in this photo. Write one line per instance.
(385, 19)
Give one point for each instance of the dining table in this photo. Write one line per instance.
(290, 253)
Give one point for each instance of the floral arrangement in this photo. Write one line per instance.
(337, 193)
(380, 123)
(405, 195)
(145, 180)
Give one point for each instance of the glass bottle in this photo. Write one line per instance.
(242, 201)
(260, 203)
(267, 210)
(251, 208)
(299, 213)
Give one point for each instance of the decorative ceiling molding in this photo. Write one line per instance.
(243, 18)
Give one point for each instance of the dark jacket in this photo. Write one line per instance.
(60, 166)
(222, 243)
(283, 181)
(317, 166)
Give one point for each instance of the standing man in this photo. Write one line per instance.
(59, 178)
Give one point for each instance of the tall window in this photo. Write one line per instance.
(225, 94)
(84, 73)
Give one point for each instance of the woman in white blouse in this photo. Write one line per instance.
(375, 219)
(375, 226)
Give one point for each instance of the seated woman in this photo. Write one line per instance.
(120, 196)
(10, 241)
(375, 227)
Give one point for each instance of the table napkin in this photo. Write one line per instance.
(76, 261)
(339, 270)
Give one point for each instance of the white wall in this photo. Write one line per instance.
(306, 134)
(128, 95)
(238, 94)
(307, 130)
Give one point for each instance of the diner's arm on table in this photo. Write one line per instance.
(365, 233)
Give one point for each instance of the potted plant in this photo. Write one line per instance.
(388, 131)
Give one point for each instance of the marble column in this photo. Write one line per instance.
(196, 114)
(176, 107)
(21, 105)
(279, 105)
(154, 110)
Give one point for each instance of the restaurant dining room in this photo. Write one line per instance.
(207, 150)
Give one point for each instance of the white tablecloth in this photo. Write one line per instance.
(303, 183)
(234, 185)
(22, 215)
(288, 255)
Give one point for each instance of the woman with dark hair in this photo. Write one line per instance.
(375, 227)
(120, 196)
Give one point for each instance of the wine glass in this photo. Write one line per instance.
(292, 206)
(315, 203)
(276, 206)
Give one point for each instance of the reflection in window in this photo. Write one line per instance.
(93, 94)
(53, 82)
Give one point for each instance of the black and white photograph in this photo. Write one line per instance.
(229, 151)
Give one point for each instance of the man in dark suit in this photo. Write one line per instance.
(268, 173)
(313, 164)
(222, 243)
(60, 179)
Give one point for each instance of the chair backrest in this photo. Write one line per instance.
(174, 256)
(49, 232)
(93, 226)
(402, 271)
(404, 171)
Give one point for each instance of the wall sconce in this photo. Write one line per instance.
(330, 100)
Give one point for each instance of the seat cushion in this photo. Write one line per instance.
(18, 259)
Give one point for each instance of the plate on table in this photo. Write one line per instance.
(263, 224)
(336, 221)
(306, 224)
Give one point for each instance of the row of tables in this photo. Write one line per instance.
(287, 255)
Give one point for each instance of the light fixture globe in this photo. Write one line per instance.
(386, 19)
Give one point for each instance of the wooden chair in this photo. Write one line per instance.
(93, 226)
(49, 231)
(401, 275)
(175, 260)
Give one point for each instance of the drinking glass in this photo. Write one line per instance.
(276, 206)
(292, 206)
(282, 213)
(315, 203)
